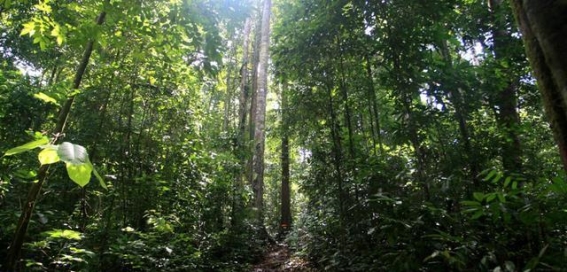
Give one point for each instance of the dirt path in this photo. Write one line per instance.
(279, 258)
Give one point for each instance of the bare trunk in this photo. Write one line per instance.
(253, 99)
(242, 114)
(244, 85)
(285, 222)
(229, 92)
(544, 29)
(260, 121)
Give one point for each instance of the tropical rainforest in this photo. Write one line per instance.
(343, 135)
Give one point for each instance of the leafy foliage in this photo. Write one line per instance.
(416, 137)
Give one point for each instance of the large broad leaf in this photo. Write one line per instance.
(73, 154)
(49, 155)
(28, 146)
(80, 173)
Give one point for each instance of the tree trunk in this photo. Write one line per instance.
(244, 86)
(242, 114)
(25, 217)
(375, 114)
(505, 97)
(260, 121)
(229, 92)
(544, 30)
(253, 99)
(285, 222)
(458, 102)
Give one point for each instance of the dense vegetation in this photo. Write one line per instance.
(397, 135)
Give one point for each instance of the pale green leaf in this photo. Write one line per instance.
(65, 234)
(28, 146)
(46, 98)
(44, 6)
(72, 153)
(29, 28)
(100, 180)
(48, 155)
(80, 173)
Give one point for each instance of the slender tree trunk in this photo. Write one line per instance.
(348, 115)
(337, 153)
(228, 94)
(260, 121)
(253, 102)
(544, 30)
(242, 114)
(244, 85)
(460, 114)
(23, 223)
(285, 221)
(505, 97)
(375, 113)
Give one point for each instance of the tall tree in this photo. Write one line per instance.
(505, 97)
(285, 205)
(544, 30)
(25, 217)
(260, 118)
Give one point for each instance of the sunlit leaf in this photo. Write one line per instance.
(28, 146)
(72, 153)
(65, 234)
(48, 155)
(29, 28)
(46, 98)
(80, 173)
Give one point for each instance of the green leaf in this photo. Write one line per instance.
(497, 177)
(80, 173)
(478, 196)
(65, 234)
(490, 197)
(29, 28)
(73, 154)
(507, 181)
(100, 180)
(46, 98)
(477, 215)
(43, 6)
(471, 203)
(490, 175)
(28, 146)
(48, 155)
(501, 198)
(558, 185)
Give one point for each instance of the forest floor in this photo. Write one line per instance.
(279, 258)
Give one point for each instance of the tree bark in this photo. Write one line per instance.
(544, 30)
(25, 217)
(244, 86)
(253, 99)
(242, 115)
(260, 121)
(285, 222)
